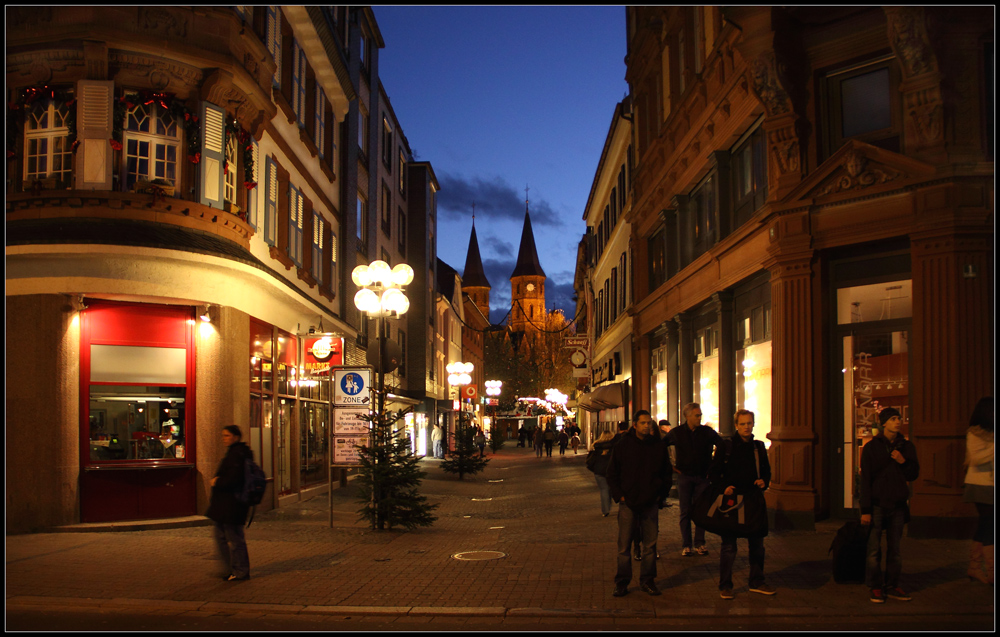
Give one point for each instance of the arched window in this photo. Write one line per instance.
(47, 154)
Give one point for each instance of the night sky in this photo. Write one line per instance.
(498, 99)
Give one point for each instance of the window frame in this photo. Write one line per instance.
(50, 135)
(830, 103)
(154, 141)
(746, 202)
(318, 247)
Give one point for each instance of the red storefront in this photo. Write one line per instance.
(137, 412)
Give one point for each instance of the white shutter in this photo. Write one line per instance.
(213, 154)
(94, 115)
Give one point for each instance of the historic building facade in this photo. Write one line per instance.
(812, 223)
(181, 232)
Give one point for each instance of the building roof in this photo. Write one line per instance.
(473, 275)
(527, 255)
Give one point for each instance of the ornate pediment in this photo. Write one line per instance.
(856, 168)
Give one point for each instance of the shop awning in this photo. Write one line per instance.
(605, 397)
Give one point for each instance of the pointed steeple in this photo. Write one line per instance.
(473, 275)
(527, 256)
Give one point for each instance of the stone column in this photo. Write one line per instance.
(951, 353)
(793, 495)
(727, 361)
(685, 358)
(673, 388)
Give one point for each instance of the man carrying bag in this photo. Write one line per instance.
(740, 474)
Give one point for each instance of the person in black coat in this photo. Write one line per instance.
(228, 513)
(639, 477)
(741, 465)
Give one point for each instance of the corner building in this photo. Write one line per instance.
(812, 228)
(181, 192)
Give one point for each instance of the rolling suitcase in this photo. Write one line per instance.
(850, 549)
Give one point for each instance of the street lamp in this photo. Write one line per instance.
(459, 375)
(493, 389)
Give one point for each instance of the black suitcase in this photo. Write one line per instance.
(850, 550)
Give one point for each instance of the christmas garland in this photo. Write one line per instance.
(167, 102)
(36, 97)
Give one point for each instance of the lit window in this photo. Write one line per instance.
(318, 249)
(47, 154)
(231, 150)
(152, 144)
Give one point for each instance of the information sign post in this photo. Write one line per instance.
(352, 403)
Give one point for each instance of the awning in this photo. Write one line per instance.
(606, 397)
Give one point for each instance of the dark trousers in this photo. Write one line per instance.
(232, 548)
(689, 489)
(728, 557)
(984, 530)
(891, 521)
(648, 522)
(548, 447)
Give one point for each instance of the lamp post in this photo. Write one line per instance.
(493, 389)
(459, 375)
(381, 296)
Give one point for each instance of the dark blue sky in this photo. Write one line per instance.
(500, 98)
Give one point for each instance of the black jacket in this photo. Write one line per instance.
(224, 508)
(883, 480)
(639, 470)
(603, 451)
(694, 448)
(740, 471)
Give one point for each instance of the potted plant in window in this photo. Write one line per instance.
(157, 187)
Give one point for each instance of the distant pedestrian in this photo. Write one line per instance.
(639, 477)
(480, 441)
(741, 465)
(550, 438)
(521, 436)
(979, 488)
(575, 442)
(597, 462)
(539, 441)
(563, 442)
(888, 463)
(436, 441)
(228, 513)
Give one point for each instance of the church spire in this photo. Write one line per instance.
(527, 256)
(473, 274)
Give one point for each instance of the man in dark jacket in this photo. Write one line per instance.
(741, 464)
(225, 509)
(693, 443)
(888, 462)
(639, 477)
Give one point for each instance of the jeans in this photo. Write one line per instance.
(538, 449)
(648, 522)
(602, 484)
(728, 556)
(689, 489)
(891, 521)
(548, 448)
(438, 449)
(232, 548)
(984, 530)
(562, 449)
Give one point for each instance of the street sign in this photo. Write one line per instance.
(469, 391)
(346, 449)
(349, 421)
(576, 342)
(352, 386)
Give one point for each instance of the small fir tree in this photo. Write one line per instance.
(465, 458)
(495, 441)
(389, 478)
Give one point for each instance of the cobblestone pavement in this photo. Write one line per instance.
(542, 514)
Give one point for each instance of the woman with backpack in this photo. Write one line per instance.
(597, 461)
(225, 508)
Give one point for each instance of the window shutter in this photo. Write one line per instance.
(270, 202)
(94, 114)
(274, 43)
(213, 154)
(252, 194)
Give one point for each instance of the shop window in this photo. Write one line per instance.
(875, 302)
(862, 102)
(136, 422)
(152, 146)
(285, 381)
(314, 459)
(47, 154)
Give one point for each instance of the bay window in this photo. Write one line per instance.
(152, 145)
(47, 153)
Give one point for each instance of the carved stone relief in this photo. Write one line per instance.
(908, 37)
(137, 70)
(42, 67)
(858, 174)
(165, 21)
(764, 80)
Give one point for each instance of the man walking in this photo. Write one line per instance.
(888, 462)
(694, 444)
(225, 509)
(436, 441)
(639, 477)
(741, 464)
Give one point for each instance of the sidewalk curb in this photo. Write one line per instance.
(122, 603)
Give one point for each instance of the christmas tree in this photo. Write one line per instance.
(389, 478)
(465, 458)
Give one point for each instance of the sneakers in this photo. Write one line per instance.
(621, 590)
(236, 578)
(687, 552)
(650, 589)
(701, 550)
(895, 592)
(764, 589)
(877, 596)
(727, 593)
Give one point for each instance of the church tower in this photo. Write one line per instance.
(527, 284)
(474, 281)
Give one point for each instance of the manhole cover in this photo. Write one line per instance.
(479, 555)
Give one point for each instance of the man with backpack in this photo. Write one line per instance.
(228, 506)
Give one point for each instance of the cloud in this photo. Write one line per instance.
(494, 199)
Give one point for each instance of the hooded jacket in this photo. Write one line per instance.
(639, 470)
(883, 480)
